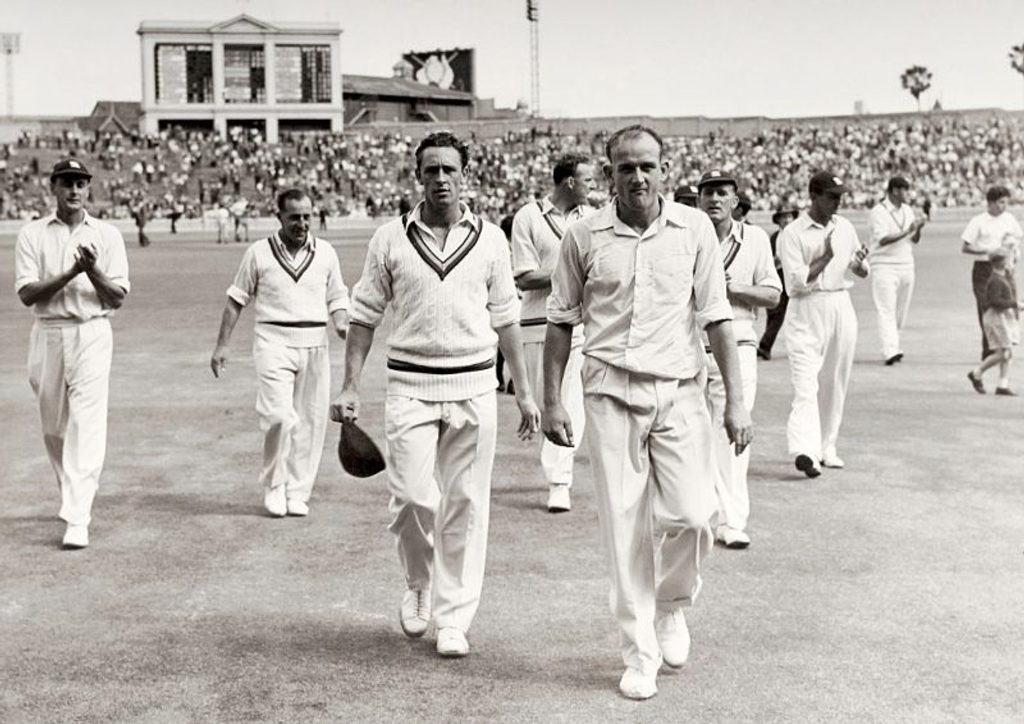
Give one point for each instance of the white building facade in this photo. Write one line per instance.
(243, 72)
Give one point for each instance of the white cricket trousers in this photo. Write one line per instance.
(292, 401)
(730, 468)
(557, 461)
(69, 370)
(892, 287)
(440, 456)
(821, 335)
(650, 446)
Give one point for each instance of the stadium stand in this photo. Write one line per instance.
(951, 161)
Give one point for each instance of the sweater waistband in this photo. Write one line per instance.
(399, 365)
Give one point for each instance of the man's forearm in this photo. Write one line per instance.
(111, 295)
(510, 342)
(817, 266)
(557, 343)
(42, 291)
(535, 279)
(723, 349)
(357, 347)
(753, 295)
(228, 319)
(893, 238)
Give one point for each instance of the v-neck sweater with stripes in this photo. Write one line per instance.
(292, 297)
(445, 305)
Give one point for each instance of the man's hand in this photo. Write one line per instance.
(340, 320)
(219, 360)
(738, 426)
(529, 416)
(345, 406)
(557, 426)
(85, 259)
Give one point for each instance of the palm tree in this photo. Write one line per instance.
(917, 79)
(1017, 58)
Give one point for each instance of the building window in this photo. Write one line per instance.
(302, 73)
(244, 74)
(184, 74)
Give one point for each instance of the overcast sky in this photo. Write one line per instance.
(654, 57)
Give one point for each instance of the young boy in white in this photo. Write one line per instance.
(294, 282)
(447, 277)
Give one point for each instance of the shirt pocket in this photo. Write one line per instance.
(672, 273)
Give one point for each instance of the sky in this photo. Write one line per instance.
(773, 58)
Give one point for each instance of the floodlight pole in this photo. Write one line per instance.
(533, 17)
(10, 44)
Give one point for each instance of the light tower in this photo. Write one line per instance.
(10, 45)
(532, 16)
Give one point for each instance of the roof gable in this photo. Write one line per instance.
(243, 24)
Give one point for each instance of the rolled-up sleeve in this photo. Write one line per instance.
(26, 262)
(711, 304)
(971, 231)
(764, 269)
(373, 291)
(502, 299)
(524, 253)
(565, 303)
(794, 268)
(246, 278)
(117, 261)
(337, 292)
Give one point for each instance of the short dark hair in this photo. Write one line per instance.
(995, 193)
(637, 129)
(292, 194)
(565, 166)
(443, 139)
(897, 182)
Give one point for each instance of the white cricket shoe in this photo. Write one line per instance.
(830, 460)
(635, 684)
(732, 538)
(673, 637)
(275, 503)
(452, 643)
(559, 500)
(414, 615)
(76, 536)
(298, 508)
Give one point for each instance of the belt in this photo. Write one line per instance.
(303, 325)
(534, 322)
(739, 343)
(400, 366)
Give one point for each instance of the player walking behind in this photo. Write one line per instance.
(818, 249)
(895, 229)
(293, 280)
(72, 270)
(537, 232)
(751, 283)
(1001, 320)
(447, 275)
(644, 275)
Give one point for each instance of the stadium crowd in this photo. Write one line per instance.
(188, 174)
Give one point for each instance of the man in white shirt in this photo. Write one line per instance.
(447, 276)
(72, 270)
(818, 250)
(895, 229)
(643, 275)
(751, 284)
(293, 281)
(985, 233)
(537, 231)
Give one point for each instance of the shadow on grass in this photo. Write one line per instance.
(182, 503)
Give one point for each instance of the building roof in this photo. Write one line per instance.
(239, 24)
(120, 116)
(372, 85)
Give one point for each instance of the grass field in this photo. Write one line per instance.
(890, 591)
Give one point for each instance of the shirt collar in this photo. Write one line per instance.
(308, 245)
(887, 203)
(606, 217)
(735, 232)
(547, 206)
(467, 217)
(87, 219)
(807, 222)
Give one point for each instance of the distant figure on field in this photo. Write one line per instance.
(1001, 320)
